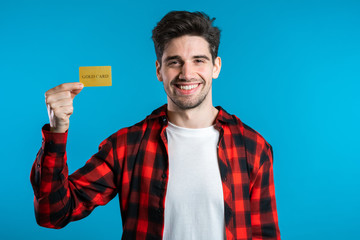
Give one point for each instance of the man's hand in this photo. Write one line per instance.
(59, 103)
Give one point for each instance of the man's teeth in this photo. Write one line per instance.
(188, 87)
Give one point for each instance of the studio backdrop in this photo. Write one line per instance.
(290, 70)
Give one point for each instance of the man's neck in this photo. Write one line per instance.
(199, 117)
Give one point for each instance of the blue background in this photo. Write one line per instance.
(290, 70)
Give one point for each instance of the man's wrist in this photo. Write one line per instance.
(58, 130)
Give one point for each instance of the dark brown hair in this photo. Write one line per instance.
(179, 23)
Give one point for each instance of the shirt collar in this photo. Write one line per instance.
(223, 116)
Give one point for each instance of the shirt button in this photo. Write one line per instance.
(38, 165)
(51, 142)
(164, 175)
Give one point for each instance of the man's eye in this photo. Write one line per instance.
(199, 61)
(172, 63)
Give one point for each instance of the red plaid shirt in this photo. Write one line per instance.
(133, 163)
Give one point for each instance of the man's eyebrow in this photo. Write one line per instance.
(202, 56)
(175, 57)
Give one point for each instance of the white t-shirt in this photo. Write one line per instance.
(194, 203)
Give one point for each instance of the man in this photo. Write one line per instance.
(187, 171)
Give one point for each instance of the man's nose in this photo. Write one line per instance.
(187, 72)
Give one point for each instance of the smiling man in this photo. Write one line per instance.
(187, 171)
(186, 70)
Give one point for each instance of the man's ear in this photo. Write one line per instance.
(158, 68)
(217, 67)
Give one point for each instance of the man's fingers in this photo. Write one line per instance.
(57, 96)
(61, 103)
(75, 86)
(62, 113)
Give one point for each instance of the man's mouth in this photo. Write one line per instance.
(188, 86)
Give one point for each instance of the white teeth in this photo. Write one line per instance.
(188, 87)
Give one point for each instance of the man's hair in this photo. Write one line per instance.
(179, 23)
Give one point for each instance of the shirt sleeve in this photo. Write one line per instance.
(264, 219)
(60, 198)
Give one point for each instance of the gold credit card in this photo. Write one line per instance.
(95, 76)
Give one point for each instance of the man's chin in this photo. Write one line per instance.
(183, 105)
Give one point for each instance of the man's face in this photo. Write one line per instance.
(187, 71)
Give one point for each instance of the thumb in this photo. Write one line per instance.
(77, 90)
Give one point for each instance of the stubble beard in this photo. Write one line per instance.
(185, 104)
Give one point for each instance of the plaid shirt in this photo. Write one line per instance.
(133, 163)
